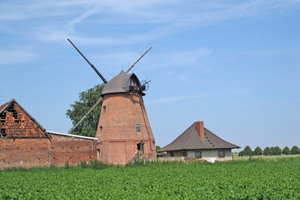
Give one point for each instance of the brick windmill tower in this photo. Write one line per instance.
(124, 131)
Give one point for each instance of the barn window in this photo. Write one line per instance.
(3, 133)
(15, 115)
(3, 117)
(198, 154)
(172, 154)
(138, 128)
(221, 153)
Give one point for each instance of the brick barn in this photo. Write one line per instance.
(26, 143)
(200, 143)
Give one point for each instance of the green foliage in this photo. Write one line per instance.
(98, 165)
(248, 151)
(272, 150)
(87, 99)
(258, 151)
(67, 165)
(83, 164)
(276, 151)
(295, 150)
(267, 151)
(286, 151)
(241, 153)
(158, 148)
(231, 180)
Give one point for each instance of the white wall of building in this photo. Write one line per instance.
(209, 155)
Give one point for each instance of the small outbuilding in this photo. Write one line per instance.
(198, 142)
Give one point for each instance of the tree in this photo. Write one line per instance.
(267, 151)
(248, 151)
(87, 99)
(277, 151)
(258, 151)
(272, 150)
(241, 153)
(295, 150)
(158, 148)
(286, 151)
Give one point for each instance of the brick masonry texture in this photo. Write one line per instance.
(72, 150)
(26, 145)
(117, 134)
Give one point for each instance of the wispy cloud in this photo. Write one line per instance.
(16, 56)
(178, 98)
(163, 17)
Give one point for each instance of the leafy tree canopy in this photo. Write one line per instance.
(286, 151)
(87, 99)
(295, 150)
(267, 151)
(158, 148)
(276, 151)
(248, 151)
(258, 151)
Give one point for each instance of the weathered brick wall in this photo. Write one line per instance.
(18, 125)
(24, 152)
(22, 142)
(72, 150)
(117, 134)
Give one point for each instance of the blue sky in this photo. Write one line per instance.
(233, 64)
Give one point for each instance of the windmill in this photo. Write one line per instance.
(123, 131)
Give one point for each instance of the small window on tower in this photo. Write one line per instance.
(138, 128)
(104, 109)
(98, 153)
(3, 133)
(100, 130)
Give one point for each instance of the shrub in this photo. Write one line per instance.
(83, 164)
(95, 164)
(67, 165)
(242, 153)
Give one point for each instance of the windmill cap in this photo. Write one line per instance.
(120, 83)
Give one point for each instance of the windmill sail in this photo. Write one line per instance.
(137, 60)
(99, 74)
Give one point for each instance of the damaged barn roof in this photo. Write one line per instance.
(7, 105)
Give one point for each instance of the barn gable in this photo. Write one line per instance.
(16, 122)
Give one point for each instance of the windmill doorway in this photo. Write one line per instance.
(140, 149)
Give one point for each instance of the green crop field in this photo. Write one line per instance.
(232, 180)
